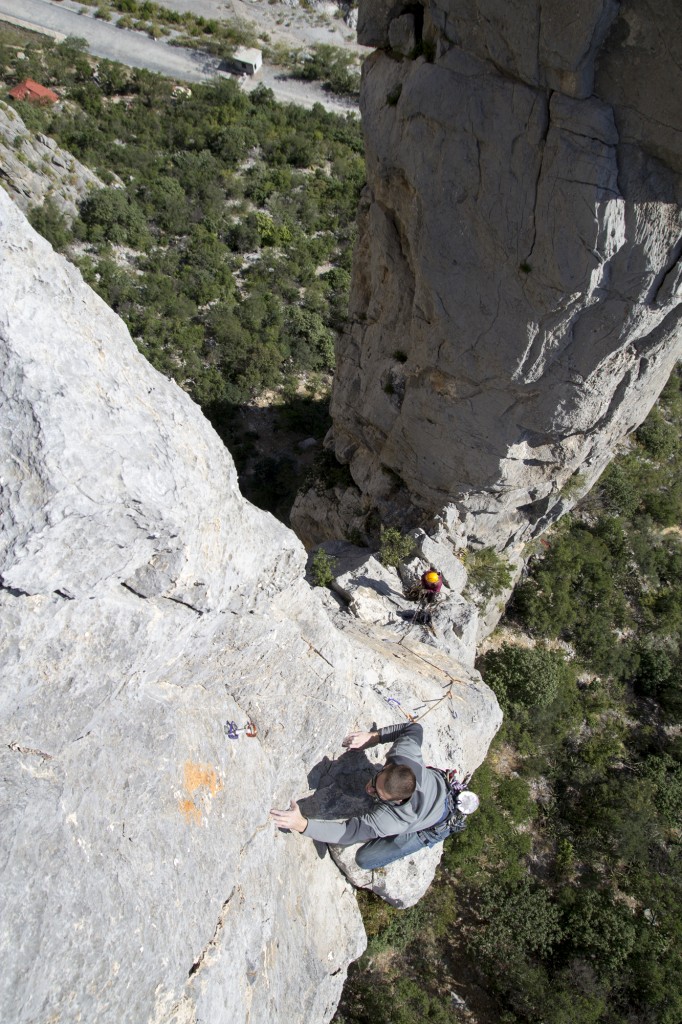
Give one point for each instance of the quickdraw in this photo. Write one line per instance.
(232, 730)
(395, 703)
(434, 702)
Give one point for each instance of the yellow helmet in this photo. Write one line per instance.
(432, 577)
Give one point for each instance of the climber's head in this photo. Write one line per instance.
(393, 784)
(432, 576)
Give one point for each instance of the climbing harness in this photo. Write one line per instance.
(456, 820)
(232, 730)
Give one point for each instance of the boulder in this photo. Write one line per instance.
(402, 35)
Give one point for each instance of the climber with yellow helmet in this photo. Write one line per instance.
(430, 585)
(426, 592)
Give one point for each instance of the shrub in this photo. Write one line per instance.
(519, 919)
(50, 222)
(525, 677)
(575, 592)
(395, 546)
(658, 437)
(111, 215)
(322, 569)
(487, 572)
(599, 929)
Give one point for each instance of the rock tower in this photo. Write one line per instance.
(515, 303)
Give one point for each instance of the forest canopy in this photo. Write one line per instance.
(224, 235)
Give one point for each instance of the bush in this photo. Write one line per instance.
(395, 546)
(51, 223)
(322, 568)
(659, 437)
(525, 678)
(518, 919)
(333, 66)
(601, 930)
(111, 215)
(488, 573)
(576, 592)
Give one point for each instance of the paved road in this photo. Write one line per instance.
(140, 51)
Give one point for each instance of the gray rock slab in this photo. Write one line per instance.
(402, 35)
(146, 611)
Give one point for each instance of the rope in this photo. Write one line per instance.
(434, 702)
(395, 703)
(420, 606)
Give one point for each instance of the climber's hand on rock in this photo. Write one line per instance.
(290, 818)
(360, 740)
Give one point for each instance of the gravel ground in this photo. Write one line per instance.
(283, 21)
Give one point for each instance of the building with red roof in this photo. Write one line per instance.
(32, 91)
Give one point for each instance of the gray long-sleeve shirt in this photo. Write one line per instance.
(425, 807)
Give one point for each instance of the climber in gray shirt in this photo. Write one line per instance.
(412, 809)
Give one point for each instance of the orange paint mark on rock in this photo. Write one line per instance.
(200, 783)
(201, 776)
(191, 812)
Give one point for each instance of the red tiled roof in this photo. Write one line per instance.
(30, 90)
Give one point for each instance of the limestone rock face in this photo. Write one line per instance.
(515, 304)
(33, 167)
(147, 614)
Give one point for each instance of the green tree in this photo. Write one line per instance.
(395, 546)
(599, 929)
(488, 573)
(51, 223)
(309, 341)
(527, 678)
(111, 215)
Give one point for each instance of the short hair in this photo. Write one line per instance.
(399, 781)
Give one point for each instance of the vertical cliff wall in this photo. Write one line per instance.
(515, 303)
(143, 605)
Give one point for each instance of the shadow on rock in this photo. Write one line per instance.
(339, 787)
